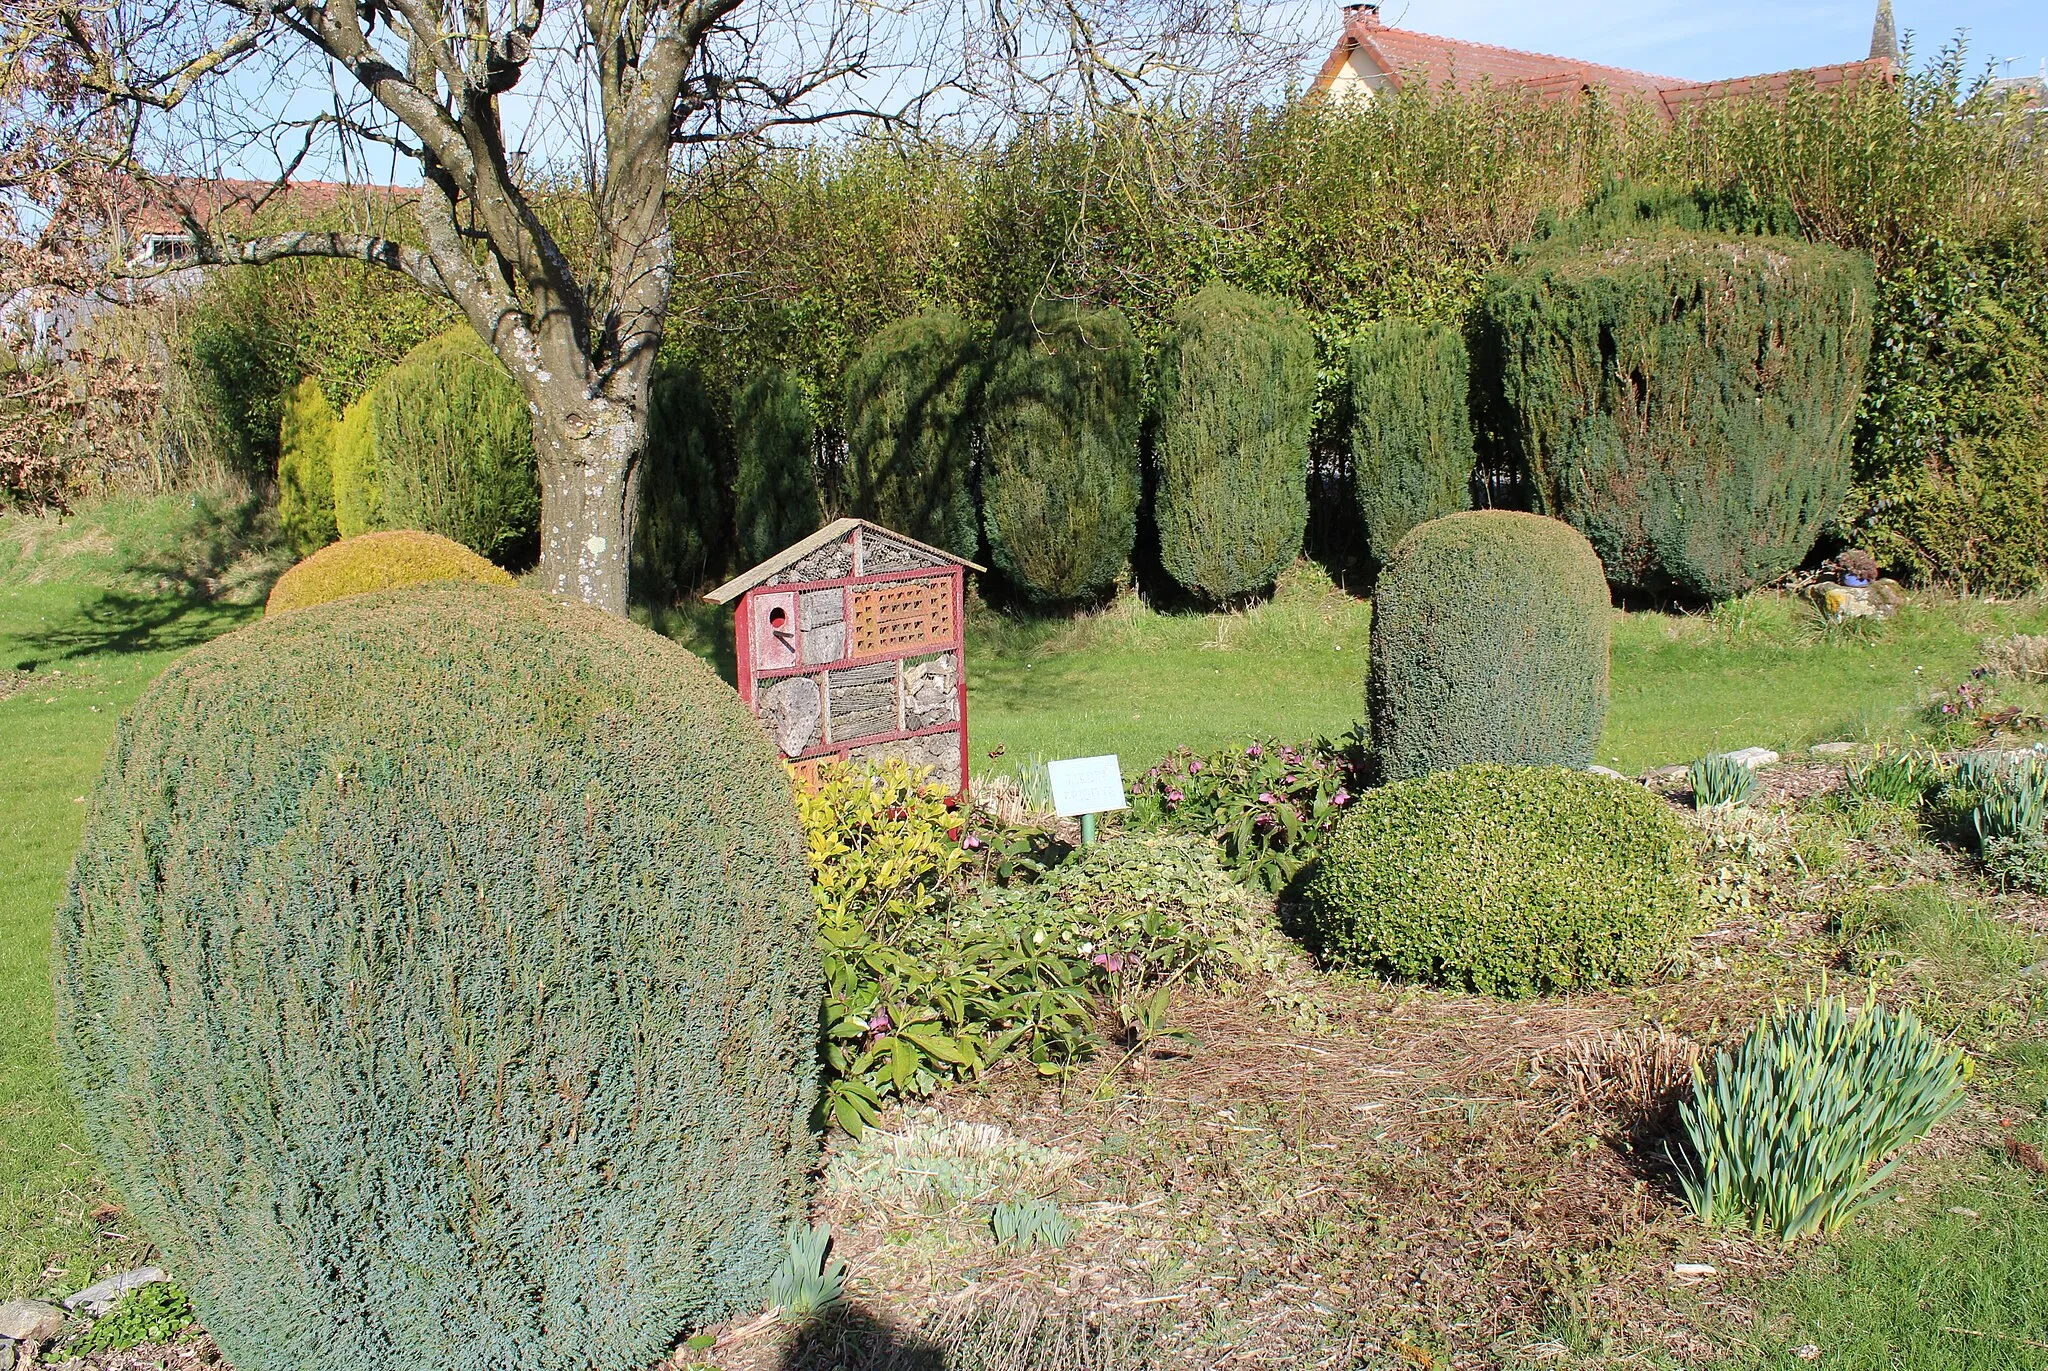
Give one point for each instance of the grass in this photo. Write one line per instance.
(92, 608)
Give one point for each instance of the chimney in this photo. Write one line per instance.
(1884, 38)
(1364, 16)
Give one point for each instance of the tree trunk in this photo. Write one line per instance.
(589, 468)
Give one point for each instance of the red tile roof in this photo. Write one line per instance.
(1401, 57)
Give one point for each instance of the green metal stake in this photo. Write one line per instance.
(1087, 830)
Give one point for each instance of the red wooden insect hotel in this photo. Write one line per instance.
(852, 644)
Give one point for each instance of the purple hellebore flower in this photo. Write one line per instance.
(1195, 767)
(1265, 797)
(1255, 752)
(1342, 796)
(880, 1023)
(1174, 797)
(970, 841)
(1287, 780)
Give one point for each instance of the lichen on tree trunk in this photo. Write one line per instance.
(589, 476)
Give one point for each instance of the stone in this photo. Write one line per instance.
(1835, 749)
(32, 1322)
(6, 1354)
(98, 1299)
(1838, 603)
(791, 712)
(1755, 758)
(1606, 771)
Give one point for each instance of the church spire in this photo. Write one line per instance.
(1884, 38)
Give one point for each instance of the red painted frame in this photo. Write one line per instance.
(751, 677)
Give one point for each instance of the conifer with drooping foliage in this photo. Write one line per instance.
(1489, 644)
(775, 484)
(442, 442)
(682, 538)
(909, 402)
(382, 560)
(305, 468)
(1060, 481)
(1685, 400)
(1236, 396)
(437, 979)
(1411, 429)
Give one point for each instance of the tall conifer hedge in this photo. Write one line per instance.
(305, 468)
(1060, 485)
(1411, 429)
(1237, 391)
(683, 535)
(438, 980)
(775, 485)
(1686, 401)
(909, 413)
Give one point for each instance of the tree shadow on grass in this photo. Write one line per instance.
(123, 623)
(998, 1334)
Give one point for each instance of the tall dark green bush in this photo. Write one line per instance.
(775, 485)
(1060, 482)
(1411, 429)
(1236, 397)
(1509, 880)
(909, 414)
(452, 448)
(682, 537)
(1685, 401)
(236, 357)
(437, 981)
(1489, 644)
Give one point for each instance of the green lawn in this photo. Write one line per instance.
(91, 609)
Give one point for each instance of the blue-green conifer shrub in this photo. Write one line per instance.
(775, 485)
(437, 980)
(1411, 429)
(909, 410)
(1236, 389)
(1060, 482)
(1489, 644)
(1685, 400)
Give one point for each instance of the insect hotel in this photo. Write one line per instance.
(852, 643)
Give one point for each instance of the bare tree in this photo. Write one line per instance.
(504, 109)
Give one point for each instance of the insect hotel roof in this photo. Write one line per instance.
(852, 644)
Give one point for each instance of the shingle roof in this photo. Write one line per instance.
(1403, 57)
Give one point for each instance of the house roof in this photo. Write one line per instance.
(152, 207)
(797, 551)
(1402, 57)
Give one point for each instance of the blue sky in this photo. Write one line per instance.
(1705, 39)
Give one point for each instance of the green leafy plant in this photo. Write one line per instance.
(1237, 391)
(1795, 1131)
(1021, 1225)
(1722, 782)
(922, 988)
(810, 1280)
(2019, 862)
(1267, 805)
(152, 1313)
(1509, 880)
(1489, 644)
(1902, 778)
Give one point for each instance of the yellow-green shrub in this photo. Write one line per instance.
(379, 561)
(305, 468)
(354, 469)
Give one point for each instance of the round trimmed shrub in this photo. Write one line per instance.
(438, 982)
(379, 561)
(1060, 481)
(1237, 386)
(1489, 644)
(1507, 880)
(1685, 400)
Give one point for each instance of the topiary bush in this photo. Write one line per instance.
(1236, 389)
(453, 444)
(1684, 400)
(305, 468)
(682, 538)
(909, 411)
(775, 484)
(379, 561)
(1507, 880)
(354, 471)
(1489, 644)
(437, 979)
(1411, 429)
(1060, 481)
